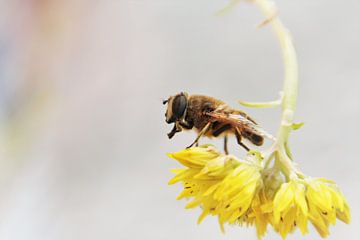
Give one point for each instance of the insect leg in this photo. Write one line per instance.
(238, 138)
(225, 145)
(202, 132)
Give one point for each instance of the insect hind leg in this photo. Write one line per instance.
(238, 138)
(226, 145)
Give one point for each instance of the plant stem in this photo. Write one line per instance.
(290, 90)
(279, 149)
(290, 87)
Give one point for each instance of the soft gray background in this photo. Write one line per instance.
(93, 166)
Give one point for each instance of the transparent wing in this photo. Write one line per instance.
(240, 121)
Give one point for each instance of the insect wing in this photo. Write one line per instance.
(241, 122)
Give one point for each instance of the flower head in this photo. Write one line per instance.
(245, 192)
(220, 184)
(326, 203)
(290, 208)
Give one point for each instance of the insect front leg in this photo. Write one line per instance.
(202, 132)
(225, 145)
(238, 138)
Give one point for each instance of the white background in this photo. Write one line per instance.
(92, 164)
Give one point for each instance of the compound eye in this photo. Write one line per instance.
(179, 105)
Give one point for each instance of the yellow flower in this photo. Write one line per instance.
(259, 214)
(195, 157)
(290, 208)
(326, 203)
(318, 200)
(206, 169)
(220, 184)
(243, 192)
(236, 192)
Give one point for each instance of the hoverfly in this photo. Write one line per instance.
(212, 118)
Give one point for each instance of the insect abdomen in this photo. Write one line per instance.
(218, 128)
(253, 137)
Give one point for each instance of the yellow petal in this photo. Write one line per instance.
(301, 222)
(196, 202)
(338, 199)
(319, 223)
(182, 175)
(221, 224)
(211, 189)
(283, 199)
(195, 157)
(202, 216)
(318, 193)
(344, 215)
(300, 199)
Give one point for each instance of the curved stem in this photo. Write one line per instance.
(290, 87)
(290, 90)
(280, 150)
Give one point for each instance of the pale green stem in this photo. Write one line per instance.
(280, 149)
(290, 89)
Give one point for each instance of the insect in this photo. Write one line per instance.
(212, 118)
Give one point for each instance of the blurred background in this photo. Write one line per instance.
(82, 130)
